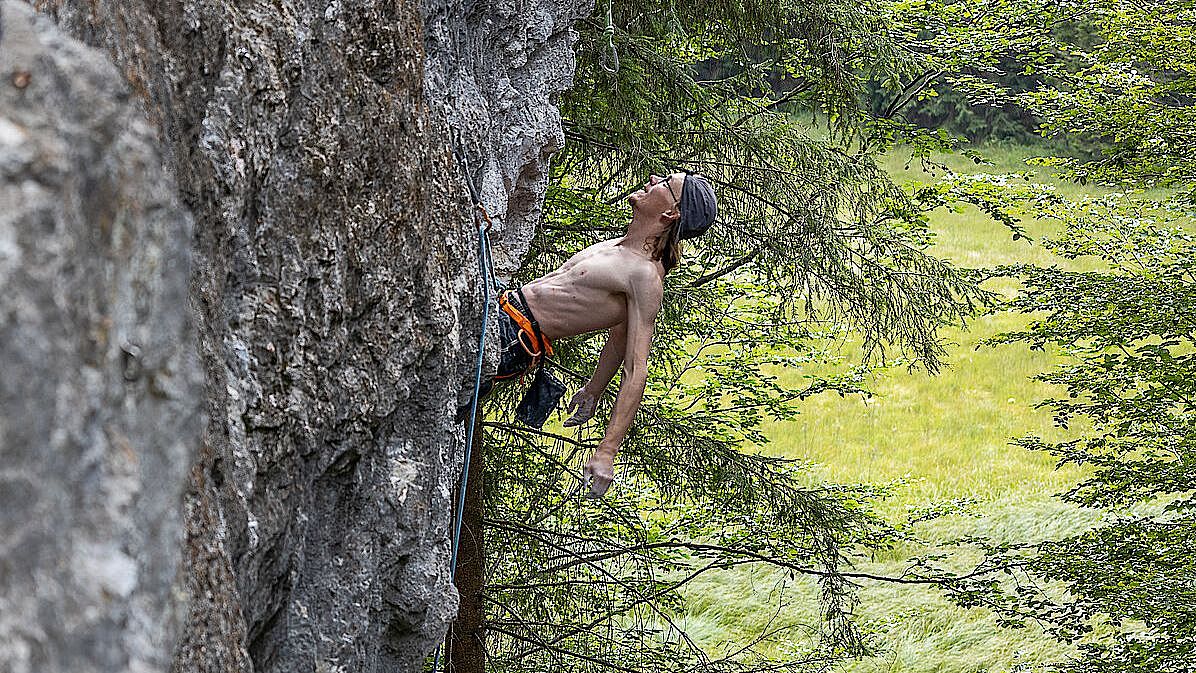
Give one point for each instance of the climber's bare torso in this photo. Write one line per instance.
(609, 285)
(591, 290)
(616, 285)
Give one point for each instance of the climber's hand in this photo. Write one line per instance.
(599, 473)
(582, 405)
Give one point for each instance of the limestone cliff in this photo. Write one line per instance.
(493, 71)
(100, 400)
(335, 294)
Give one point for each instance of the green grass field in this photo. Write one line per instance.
(940, 438)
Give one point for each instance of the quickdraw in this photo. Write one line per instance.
(609, 58)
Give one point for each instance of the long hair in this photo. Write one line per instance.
(668, 247)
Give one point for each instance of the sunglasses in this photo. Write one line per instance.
(668, 183)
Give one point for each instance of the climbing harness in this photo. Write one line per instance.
(486, 267)
(609, 59)
(531, 339)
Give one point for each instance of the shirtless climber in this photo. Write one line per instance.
(616, 285)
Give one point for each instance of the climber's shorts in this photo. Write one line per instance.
(520, 346)
(513, 359)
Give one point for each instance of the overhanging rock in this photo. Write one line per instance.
(494, 70)
(336, 294)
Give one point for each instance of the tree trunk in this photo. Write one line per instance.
(467, 641)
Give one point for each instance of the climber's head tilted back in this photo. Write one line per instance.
(673, 207)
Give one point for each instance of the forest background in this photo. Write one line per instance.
(954, 251)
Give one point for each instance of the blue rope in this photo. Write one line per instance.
(485, 261)
(483, 257)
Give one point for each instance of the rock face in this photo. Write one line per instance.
(336, 296)
(100, 399)
(493, 71)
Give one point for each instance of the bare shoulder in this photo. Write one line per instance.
(646, 272)
(643, 277)
(589, 252)
(603, 245)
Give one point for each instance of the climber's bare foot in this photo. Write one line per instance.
(599, 473)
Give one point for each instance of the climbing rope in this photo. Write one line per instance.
(484, 261)
(486, 268)
(609, 59)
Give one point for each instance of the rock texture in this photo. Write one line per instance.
(335, 289)
(100, 399)
(494, 69)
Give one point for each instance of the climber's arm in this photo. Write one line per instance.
(585, 401)
(609, 360)
(643, 303)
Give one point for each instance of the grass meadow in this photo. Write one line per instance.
(936, 439)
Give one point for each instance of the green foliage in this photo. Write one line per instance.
(1131, 94)
(1129, 333)
(813, 238)
(970, 105)
(581, 584)
(808, 218)
(1123, 591)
